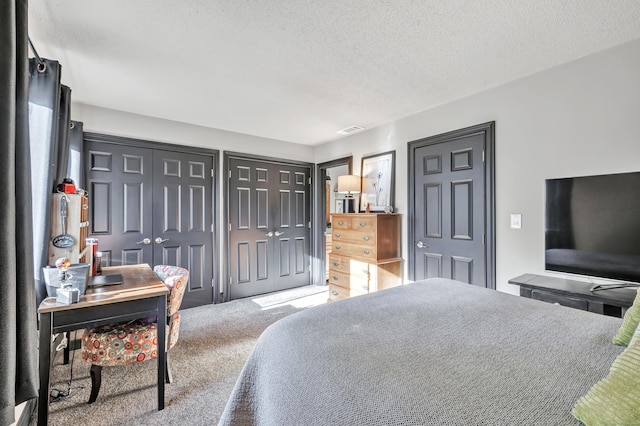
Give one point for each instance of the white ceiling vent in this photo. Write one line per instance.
(350, 130)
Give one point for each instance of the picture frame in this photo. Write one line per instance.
(378, 181)
(340, 206)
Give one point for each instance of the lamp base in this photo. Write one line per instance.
(347, 204)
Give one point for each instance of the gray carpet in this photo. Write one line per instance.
(213, 346)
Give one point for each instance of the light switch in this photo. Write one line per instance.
(516, 221)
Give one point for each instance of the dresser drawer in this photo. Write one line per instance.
(363, 223)
(348, 266)
(560, 299)
(358, 237)
(340, 223)
(354, 250)
(337, 293)
(353, 282)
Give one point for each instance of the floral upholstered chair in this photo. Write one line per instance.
(135, 341)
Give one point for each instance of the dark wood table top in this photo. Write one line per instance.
(138, 282)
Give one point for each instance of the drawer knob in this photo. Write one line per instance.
(333, 292)
(337, 247)
(363, 224)
(341, 223)
(367, 252)
(366, 238)
(337, 235)
(336, 264)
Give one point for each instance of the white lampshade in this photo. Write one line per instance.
(349, 184)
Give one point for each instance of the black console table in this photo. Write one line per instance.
(575, 294)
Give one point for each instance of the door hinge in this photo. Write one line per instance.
(229, 226)
(211, 172)
(309, 180)
(212, 283)
(309, 224)
(230, 280)
(483, 155)
(212, 227)
(229, 174)
(483, 239)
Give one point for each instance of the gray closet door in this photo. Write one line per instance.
(120, 185)
(153, 206)
(269, 226)
(183, 219)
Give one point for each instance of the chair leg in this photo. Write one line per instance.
(169, 376)
(96, 380)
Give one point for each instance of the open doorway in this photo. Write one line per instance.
(329, 201)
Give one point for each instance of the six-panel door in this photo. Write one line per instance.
(449, 225)
(153, 206)
(269, 226)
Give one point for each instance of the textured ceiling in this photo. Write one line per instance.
(300, 70)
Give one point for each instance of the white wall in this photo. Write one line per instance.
(576, 119)
(119, 123)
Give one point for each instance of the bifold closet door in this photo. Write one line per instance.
(153, 206)
(269, 226)
(120, 186)
(183, 218)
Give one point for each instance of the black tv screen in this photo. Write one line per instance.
(592, 226)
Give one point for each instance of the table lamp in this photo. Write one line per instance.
(348, 185)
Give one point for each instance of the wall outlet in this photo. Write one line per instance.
(516, 221)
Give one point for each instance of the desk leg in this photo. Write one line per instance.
(67, 349)
(45, 363)
(162, 354)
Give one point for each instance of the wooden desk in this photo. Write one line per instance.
(142, 294)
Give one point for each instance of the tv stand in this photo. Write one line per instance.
(576, 294)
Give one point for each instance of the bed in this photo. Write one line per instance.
(432, 352)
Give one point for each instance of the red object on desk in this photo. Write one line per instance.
(67, 186)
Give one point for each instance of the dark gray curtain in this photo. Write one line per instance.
(18, 334)
(44, 122)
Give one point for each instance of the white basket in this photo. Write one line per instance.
(78, 274)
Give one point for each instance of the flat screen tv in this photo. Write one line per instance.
(592, 226)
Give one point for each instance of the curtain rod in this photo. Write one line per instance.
(41, 65)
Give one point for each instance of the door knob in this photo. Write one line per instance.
(146, 241)
(278, 233)
(269, 234)
(159, 240)
(420, 244)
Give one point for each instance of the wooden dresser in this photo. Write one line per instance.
(365, 254)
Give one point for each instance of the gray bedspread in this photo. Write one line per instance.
(432, 352)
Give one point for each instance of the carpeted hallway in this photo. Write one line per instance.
(213, 345)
